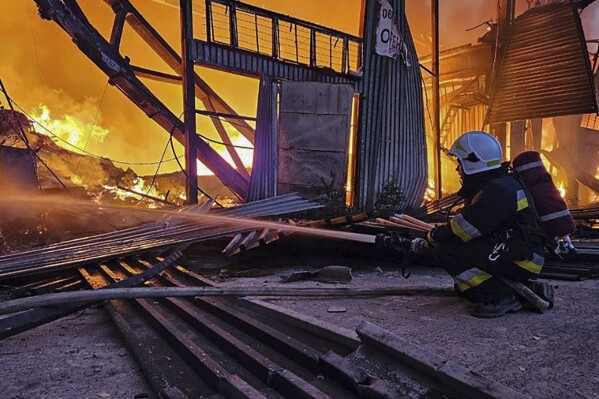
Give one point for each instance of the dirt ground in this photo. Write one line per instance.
(551, 355)
(80, 356)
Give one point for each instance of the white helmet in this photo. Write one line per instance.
(477, 152)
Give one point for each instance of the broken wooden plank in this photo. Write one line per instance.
(37, 316)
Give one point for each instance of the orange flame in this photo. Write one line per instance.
(69, 129)
(139, 186)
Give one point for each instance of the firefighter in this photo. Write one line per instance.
(493, 236)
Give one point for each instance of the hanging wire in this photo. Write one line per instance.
(34, 120)
(91, 131)
(225, 144)
(170, 141)
(157, 168)
(37, 60)
(23, 137)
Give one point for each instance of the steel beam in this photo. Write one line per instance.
(189, 103)
(436, 97)
(251, 64)
(121, 75)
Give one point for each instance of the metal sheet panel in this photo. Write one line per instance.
(263, 181)
(302, 169)
(300, 131)
(391, 139)
(546, 70)
(463, 62)
(313, 136)
(18, 171)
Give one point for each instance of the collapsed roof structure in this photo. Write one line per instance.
(526, 68)
(387, 141)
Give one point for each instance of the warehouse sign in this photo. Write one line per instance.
(388, 40)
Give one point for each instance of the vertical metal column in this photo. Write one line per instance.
(233, 26)
(209, 34)
(436, 103)
(189, 105)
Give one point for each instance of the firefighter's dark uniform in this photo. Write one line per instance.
(494, 235)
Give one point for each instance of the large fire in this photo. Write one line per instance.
(75, 134)
(71, 132)
(85, 164)
(243, 148)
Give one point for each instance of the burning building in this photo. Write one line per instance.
(529, 80)
(372, 110)
(329, 118)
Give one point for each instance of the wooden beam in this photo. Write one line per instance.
(156, 75)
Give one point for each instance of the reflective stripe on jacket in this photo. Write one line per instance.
(494, 210)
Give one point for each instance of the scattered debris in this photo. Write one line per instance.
(328, 274)
(336, 309)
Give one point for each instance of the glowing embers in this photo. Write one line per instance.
(139, 186)
(429, 193)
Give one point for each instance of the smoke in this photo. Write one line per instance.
(455, 18)
(40, 66)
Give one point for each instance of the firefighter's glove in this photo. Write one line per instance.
(419, 246)
(439, 234)
(430, 237)
(393, 241)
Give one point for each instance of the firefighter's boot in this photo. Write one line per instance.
(498, 308)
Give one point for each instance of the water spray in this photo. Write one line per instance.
(214, 219)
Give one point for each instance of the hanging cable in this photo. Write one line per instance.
(26, 142)
(157, 169)
(225, 144)
(185, 173)
(91, 131)
(37, 60)
(82, 150)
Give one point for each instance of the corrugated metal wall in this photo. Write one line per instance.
(391, 138)
(263, 181)
(546, 70)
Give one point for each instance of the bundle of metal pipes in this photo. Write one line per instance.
(432, 209)
(176, 230)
